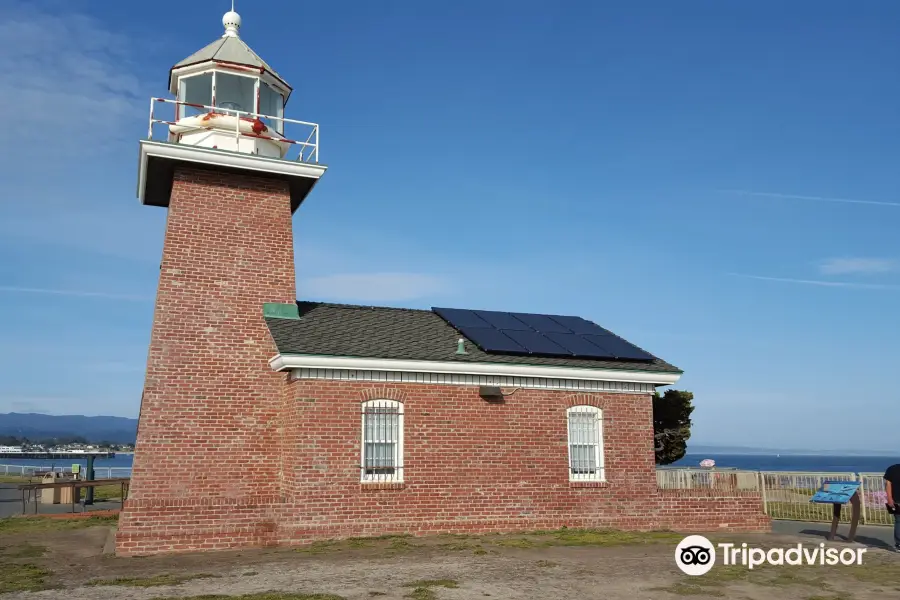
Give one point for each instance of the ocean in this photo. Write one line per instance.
(752, 462)
(120, 466)
(793, 462)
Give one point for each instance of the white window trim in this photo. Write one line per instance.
(600, 474)
(224, 71)
(397, 476)
(217, 72)
(209, 66)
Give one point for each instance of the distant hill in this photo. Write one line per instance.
(118, 430)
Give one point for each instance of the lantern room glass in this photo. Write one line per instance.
(271, 104)
(236, 92)
(194, 90)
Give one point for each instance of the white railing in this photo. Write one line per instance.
(307, 151)
(37, 471)
(707, 479)
(786, 494)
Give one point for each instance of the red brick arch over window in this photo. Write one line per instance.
(597, 400)
(382, 393)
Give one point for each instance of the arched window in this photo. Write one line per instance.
(382, 441)
(585, 443)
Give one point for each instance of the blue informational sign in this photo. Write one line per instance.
(835, 492)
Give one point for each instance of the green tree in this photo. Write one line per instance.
(671, 424)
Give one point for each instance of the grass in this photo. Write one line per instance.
(884, 574)
(18, 479)
(25, 550)
(821, 513)
(690, 589)
(422, 589)
(12, 525)
(23, 578)
(489, 544)
(584, 537)
(154, 581)
(716, 581)
(102, 493)
(396, 543)
(263, 596)
(321, 547)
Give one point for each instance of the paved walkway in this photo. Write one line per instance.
(870, 535)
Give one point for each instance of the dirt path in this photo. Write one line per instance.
(567, 565)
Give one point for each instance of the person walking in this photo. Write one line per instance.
(892, 489)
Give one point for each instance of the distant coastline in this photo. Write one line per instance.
(806, 463)
(750, 451)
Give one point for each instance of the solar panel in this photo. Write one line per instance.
(458, 317)
(492, 340)
(619, 347)
(537, 343)
(579, 325)
(579, 346)
(545, 335)
(502, 320)
(542, 323)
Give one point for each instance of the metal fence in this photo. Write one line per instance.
(303, 148)
(786, 494)
(37, 471)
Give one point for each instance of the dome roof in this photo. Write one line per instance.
(229, 49)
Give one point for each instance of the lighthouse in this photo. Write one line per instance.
(227, 110)
(268, 421)
(230, 166)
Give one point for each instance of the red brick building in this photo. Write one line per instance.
(267, 421)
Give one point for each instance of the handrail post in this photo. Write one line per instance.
(150, 126)
(862, 497)
(317, 144)
(762, 491)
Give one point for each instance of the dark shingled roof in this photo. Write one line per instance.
(404, 334)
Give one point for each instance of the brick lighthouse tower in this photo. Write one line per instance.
(231, 169)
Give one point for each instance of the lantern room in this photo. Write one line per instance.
(225, 90)
(227, 100)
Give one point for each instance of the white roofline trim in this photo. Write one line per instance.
(282, 362)
(222, 158)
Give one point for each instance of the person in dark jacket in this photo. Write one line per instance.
(892, 488)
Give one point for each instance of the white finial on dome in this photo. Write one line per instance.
(232, 22)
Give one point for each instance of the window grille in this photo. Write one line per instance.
(585, 444)
(382, 441)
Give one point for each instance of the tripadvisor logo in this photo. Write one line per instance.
(696, 555)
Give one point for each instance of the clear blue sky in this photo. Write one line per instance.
(715, 181)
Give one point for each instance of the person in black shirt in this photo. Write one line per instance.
(892, 487)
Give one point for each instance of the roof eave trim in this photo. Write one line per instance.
(221, 158)
(287, 362)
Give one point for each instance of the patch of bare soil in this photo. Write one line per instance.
(550, 565)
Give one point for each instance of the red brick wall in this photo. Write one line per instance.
(209, 429)
(470, 466)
